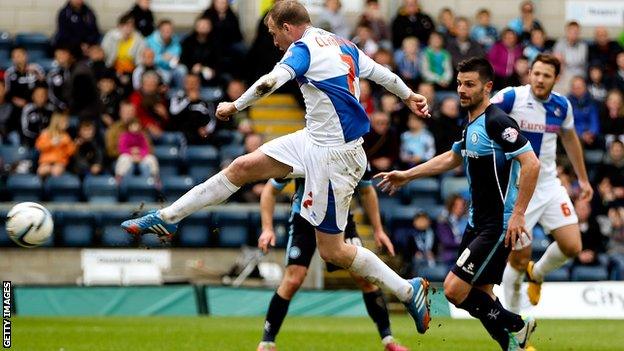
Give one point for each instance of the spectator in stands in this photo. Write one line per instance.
(148, 63)
(135, 149)
(503, 56)
(612, 116)
(235, 88)
(416, 244)
(618, 80)
(446, 23)
(20, 79)
(596, 84)
(450, 229)
(229, 38)
(461, 46)
(76, 26)
(89, 158)
(446, 125)
(407, 60)
(572, 52)
(484, 32)
(332, 20)
(97, 61)
(417, 143)
(526, 22)
(437, 67)
(8, 129)
(199, 54)
(428, 90)
(110, 98)
(83, 96)
(381, 143)
(390, 104)
(612, 168)
(603, 51)
(251, 192)
(364, 40)
(385, 58)
(143, 17)
(410, 21)
(591, 237)
(36, 115)
(166, 46)
(123, 46)
(263, 54)
(190, 114)
(55, 147)
(536, 45)
(58, 78)
(586, 118)
(374, 18)
(520, 75)
(366, 96)
(150, 105)
(127, 113)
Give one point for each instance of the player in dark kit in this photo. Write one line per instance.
(502, 170)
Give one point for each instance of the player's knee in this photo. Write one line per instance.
(291, 284)
(571, 249)
(519, 263)
(454, 294)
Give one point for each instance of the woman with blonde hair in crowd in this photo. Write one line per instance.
(55, 147)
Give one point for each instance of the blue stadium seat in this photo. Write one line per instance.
(46, 63)
(175, 139)
(594, 157)
(233, 228)
(203, 162)
(175, 186)
(453, 185)
(280, 226)
(560, 275)
(100, 189)
(401, 217)
(168, 159)
(437, 273)
(232, 151)
(64, 188)
(589, 273)
(112, 234)
(423, 191)
(37, 44)
(24, 187)
(4, 237)
(194, 231)
(77, 228)
(226, 137)
(539, 246)
(151, 240)
(12, 154)
(138, 188)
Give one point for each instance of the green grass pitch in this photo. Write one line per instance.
(298, 333)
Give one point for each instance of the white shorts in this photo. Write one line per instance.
(551, 207)
(331, 174)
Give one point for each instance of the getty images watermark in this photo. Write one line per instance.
(6, 314)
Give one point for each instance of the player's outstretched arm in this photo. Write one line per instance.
(530, 167)
(267, 208)
(370, 202)
(264, 86)
(572, 145)
(392, 181)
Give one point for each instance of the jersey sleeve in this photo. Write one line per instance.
(279, 184)
(457, 146)
(367, 178)
(504, 130)
(568, 122)
(296, 60)
(505, 99)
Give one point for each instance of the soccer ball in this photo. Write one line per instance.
(29, 224)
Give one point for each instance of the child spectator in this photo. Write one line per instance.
(127, 113)
(36, 115)
(536, 46)
(436, 63)
(59, 78)
(110, 98)
(450, 229)
(595, 84)
(417, 144)
(364, 40)
(55, 147)
(416, 244)
(89, 157)
(134, 149)
(407, 60)
(446, 23)
(484, 32)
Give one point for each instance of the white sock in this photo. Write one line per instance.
(512, 280)
(552, 259)
(387, 340)
(366, 264)
(213, 191)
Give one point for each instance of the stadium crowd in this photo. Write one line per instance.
(98, 102)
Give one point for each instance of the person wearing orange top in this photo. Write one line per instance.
(55, 147)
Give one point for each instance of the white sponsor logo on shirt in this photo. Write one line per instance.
(510, 134)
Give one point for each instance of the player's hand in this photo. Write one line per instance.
(382, 240)
(266, 238)
(515, 228)
(418, 104)
(391, 182)
(225, 110)
(587, 192)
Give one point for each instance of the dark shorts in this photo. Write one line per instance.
(482, 256)
(302, 242)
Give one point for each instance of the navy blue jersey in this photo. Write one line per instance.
(489, 146)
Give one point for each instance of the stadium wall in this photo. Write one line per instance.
(40, 15)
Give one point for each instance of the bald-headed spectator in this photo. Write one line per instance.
(603, 51)
(382, 143)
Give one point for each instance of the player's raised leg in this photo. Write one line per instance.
(215, 190)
